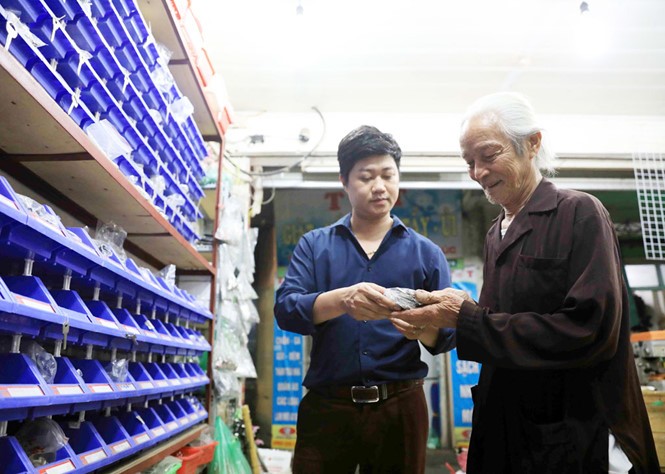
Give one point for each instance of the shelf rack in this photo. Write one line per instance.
(70, 294)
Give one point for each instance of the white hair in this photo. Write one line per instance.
(516, 118)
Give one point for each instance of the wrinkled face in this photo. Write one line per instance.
(493, 162)
(373, 186)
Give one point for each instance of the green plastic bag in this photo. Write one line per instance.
(229, 458)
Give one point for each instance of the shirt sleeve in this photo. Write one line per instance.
(294, 301)
(581, 332)
(440, 279)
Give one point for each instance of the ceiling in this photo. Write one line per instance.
(387, 58)
(437, 56)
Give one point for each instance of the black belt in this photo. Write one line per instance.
(370, 393)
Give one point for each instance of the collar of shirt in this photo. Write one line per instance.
(346, 222)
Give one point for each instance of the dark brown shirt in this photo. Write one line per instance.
(552, 332)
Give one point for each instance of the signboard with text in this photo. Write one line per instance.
(287, 389)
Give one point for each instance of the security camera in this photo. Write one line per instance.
(304, 135)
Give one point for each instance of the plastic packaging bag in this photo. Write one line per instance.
(117, 370)
(181, 109)
(229, 458)
(404, 297)
(168, 465)
(41, 439)
(112, 234)
(45, 362)
(39, 211)
(108, 139)
(168, 274)
(204, 438)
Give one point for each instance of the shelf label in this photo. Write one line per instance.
(175, 382)
(146, 384)
(107, 323)
(120, 447)
(158, 431)
(183, 420)
(66, 466)
(100, 388)
(125, 387)
(185, 380)
(202, 412)
(67, 389)
(21, 391)
(162, 383)
(192, 416)
(93, 457)
(171, 425)
(33, 303)
(142, 438)
(131, 329)
(8, 201)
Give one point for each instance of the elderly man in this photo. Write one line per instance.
(558, 390)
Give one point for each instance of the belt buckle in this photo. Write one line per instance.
(357, 388)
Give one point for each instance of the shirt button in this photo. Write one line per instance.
(364, 321)
(365, 352)
(369, 268)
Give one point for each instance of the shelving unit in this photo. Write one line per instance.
(56, 287)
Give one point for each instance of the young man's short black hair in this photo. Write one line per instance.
(362, 142)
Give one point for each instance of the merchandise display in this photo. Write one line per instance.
(73, 294)
(98, 354)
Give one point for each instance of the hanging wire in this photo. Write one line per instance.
(292, 165)
(270, 199)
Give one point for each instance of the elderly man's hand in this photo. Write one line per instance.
(365, 301)
(441, 308)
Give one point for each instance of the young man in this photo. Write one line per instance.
(365, 406)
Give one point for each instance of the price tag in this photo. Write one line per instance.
(93, 457)
(66, 466)
(21, 391)
(107, 323)
(8, 201)
(158, 431)
(120, 447)
(141, 438)
(67, 389)
(100, 388)
(33, 303)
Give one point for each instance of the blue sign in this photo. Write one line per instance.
(287, 388)
(463, 375)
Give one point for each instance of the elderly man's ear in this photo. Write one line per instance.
(534, 144)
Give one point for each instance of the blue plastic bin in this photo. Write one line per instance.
(166, 415)
(153, 422)
(21, 386)
(14, 459)
(135, 427)
(114, 435)
(87, 444)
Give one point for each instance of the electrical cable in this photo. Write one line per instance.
(270, 199)
(285, 168)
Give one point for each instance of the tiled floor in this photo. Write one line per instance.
(436, 461)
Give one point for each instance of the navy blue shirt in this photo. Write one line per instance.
(346, 351)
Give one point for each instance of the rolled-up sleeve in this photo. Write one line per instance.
(294, 301)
